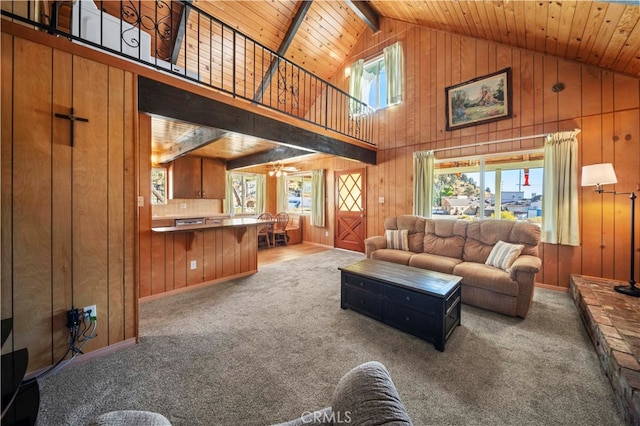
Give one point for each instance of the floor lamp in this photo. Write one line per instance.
(603, 174)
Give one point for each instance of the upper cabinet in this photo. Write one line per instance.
(196, 177)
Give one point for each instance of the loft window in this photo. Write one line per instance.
(378, 82)
(374, 83)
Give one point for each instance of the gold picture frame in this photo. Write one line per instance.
(478, 101)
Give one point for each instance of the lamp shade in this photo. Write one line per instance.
(598, 174)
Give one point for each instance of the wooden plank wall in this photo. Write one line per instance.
(67, 212)
(605, 105)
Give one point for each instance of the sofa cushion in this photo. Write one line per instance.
(414, 226)
(445, 237)
(391, 255)
(483, 234)
(397, 239)
(504, 254)
(366, 395)
(434, 262)
(487, 277)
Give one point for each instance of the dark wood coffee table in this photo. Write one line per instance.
(418, 301)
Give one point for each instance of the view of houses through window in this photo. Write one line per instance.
(244, 193)
(298, 193)
(479, 187)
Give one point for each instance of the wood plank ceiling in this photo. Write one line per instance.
(603, 34)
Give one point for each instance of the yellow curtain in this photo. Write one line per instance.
(355, 87)
(423, 165)
(228, 198)
(394, 62)
(318, 197)
(261, 189)
(560, 190)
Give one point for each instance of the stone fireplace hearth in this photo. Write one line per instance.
(612, 321)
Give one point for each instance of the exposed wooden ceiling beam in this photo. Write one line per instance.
(284, 45)
(277, 154)
(192, 140)
(168, 101)
(366, 13)
(184, 18)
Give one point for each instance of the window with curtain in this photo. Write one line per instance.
(560, 209)
(379, 81)
(502, 186)
(298, 193)
(244, 193)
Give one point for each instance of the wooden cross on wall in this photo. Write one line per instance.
(71, 117)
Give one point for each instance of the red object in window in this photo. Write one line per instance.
(526, 177)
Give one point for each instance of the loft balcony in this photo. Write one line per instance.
(178, 38)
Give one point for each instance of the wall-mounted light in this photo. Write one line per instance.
(347, 72)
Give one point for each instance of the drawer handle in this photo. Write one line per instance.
(408, 298)
(407, 319)
(361, 284)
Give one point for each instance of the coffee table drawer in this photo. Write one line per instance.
(417, 301)
(453, 300)
(414, 322)
(362, 284)
(362, 301)
(452, 319)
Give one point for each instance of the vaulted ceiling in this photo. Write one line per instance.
(320, 35)
(604, 34)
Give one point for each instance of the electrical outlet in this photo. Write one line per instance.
(183, 205)
(92, 311)
(326, 233)
(193, 264)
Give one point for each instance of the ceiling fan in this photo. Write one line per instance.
(278, 169)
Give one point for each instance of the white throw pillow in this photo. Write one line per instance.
(504, 254)
(398, 240)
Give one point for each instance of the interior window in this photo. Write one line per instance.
(158, 185)
(298, 193)
(244, 193)
(504, 186)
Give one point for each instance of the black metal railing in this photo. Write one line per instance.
(175, 37)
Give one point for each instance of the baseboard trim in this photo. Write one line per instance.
(553, 287)
(194, 286)
(88, 356)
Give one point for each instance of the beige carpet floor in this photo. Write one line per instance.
(269, 347)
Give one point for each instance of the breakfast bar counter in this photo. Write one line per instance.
(242, 222)
(183, 256)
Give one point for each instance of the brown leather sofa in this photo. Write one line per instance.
(462, 247)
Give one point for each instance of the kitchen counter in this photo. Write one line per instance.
(200, 254)
(191, 216)
(223, 223)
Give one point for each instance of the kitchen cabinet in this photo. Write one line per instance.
(197, 177)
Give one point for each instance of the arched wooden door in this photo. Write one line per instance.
(350, 218)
